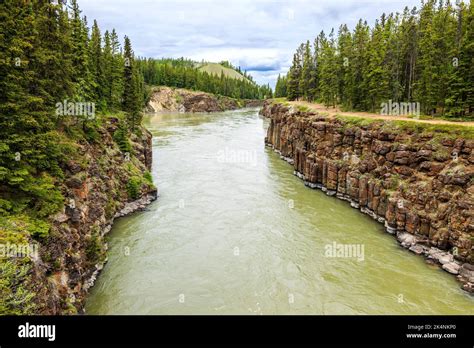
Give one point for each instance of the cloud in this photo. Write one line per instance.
(259, 35)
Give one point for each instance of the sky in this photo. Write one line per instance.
(260, 36)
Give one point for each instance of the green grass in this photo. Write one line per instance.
(442, 129)
(278, 100)
(303, 108)
(357, 121)
(450, 130)
(217, 69)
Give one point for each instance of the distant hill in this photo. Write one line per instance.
(202, 76)
(217, 69)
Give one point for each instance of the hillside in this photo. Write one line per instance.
(217, 69)
(202, 76)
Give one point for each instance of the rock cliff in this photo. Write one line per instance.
(416, 180)
(182, 100)
(105, 184)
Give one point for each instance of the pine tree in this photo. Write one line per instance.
(294, 75)
(131, 93)
(461, 76)
(425, 90)
(82, 77)
(328, 83)
(116, 74)
(97, 67)
(344, 66)
(358, 65)
(308, 80)
(407, 42)
(377, 74)
(280, 87)
(106, 67)
(466, 63)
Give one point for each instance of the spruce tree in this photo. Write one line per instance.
(294, 75)
(131, 92)
(97, 67)
(344, 66)
(308, 79)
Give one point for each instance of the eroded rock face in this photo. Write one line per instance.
(420, 185)
(96, 194)
(181, 100)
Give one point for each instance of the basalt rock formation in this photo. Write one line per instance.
(417, 181)
(183, 100)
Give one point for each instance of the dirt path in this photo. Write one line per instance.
(336, 111)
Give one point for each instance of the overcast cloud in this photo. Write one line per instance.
(259, 35)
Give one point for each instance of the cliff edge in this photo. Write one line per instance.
(415, 179)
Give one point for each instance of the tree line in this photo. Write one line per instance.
(49, 57)
(183, 73)
(52, 65)
(422, 55)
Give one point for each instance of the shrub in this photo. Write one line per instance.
(121, 138)
(147, 176)
(133, 187)
(15, 297)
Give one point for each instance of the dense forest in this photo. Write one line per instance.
(422, 55)
(64, 85)
(183, 73)
(50, 59)
(61, 84)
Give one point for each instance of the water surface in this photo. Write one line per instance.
(235, 232)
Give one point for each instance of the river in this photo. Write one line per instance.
(235, 232)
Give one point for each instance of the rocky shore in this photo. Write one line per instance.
(417, 182)
(164, 99)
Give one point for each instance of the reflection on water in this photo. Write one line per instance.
(234, 232)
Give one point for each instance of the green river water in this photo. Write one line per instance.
(235, 232)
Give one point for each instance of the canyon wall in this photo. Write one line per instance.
(102, 183)
(182, 100)
(416, 180)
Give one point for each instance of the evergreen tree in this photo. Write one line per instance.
(308, 79)
(97, 67)
(82, 77)
(425, 90)
(107, 62)
(280, 87)
(460, 98)
(328, 83)
(116, 74)
(344, 66)
(466, 63)
(132, 104)
(294, 75)
(377, 75)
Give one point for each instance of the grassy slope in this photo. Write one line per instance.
(217, 69)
